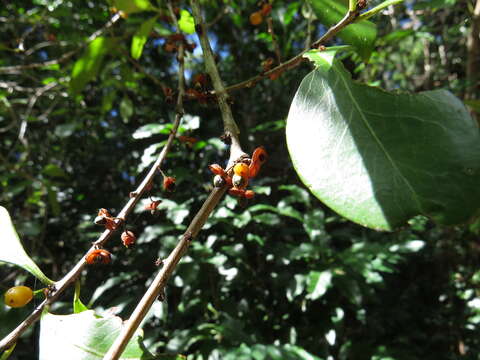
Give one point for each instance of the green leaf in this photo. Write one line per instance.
(6, 354)
(133, 6)
(186, 22)
(12, 249)
(380, 158)
(318, 283)
(126, 108)
(53, 170)
(107, 100)
(65, 130)
(84, 336)
(86, 68)
(361, 35)
(327, 56)
(140, 37)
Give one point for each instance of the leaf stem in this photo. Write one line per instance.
(352, 5)
(368, 14)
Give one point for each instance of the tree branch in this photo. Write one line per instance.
(229, 124)
(160, 281)
(231, 130)
(348, 19)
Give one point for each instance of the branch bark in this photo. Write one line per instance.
(229, 124)
(169, 264)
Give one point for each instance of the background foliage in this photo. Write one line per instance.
(279, 278)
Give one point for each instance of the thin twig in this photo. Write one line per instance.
(308, 40)
(160, 281)
(140, 68)
(17, 69)
(219, 16)
(348, 19)
(44, 45)
(128, 330)
(31, 103)
(274, 39)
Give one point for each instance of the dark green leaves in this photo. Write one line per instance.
(361, 35)
(86, 68)
(379, 158)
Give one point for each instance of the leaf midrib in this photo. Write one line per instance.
(377, 140)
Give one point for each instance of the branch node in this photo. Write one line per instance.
(226, 138)
(159, 262)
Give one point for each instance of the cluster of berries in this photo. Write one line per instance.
(243, 171)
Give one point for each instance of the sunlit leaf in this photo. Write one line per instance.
(186, 22)
(361, 35)
(380, 158)
(133, 6)
(140, 37)
(86, 68)
(318, 283)
(12, 249)
(84, 336)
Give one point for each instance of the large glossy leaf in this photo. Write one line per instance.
(12, 250)
(379, 158)
(361, 35)
(86, 68)
(84, 336)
